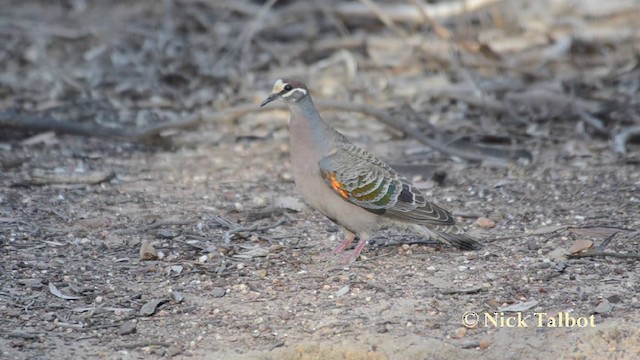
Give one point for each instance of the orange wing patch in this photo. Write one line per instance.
(337, 185)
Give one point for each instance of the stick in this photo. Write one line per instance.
(621, 138)
(408, 13)
(382, 16)
(603, 253)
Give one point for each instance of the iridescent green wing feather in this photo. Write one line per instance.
(366, 181)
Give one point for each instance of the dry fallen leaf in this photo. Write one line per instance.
(54, 290)
(580, 245)
(519, 306)
(485, 223)
(150, 307)
(147, 251)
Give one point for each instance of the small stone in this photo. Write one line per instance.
(485, 223)
(127, 328)
(98, 299)
(460, 332)
(203, 259)
(462, 268)
(484, 344)
(173, 351)
(147, 251)
(177, 296)
(218, 292)
(343, 291)
(603, 307)
(262, 273)
(614, 299)
(558, 254)
(259, 202)
(165, 234)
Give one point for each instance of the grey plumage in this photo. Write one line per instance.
(353, 188)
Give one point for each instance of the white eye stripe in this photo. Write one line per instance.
(303, 91)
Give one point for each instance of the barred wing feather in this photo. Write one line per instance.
(366, 181)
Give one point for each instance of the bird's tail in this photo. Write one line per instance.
(451, 235)
(462, 241)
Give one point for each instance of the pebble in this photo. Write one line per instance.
(147, 251)
(218, 292)
(485, 223)
(484, 344)
(460, 332)
(603, 307)
(165, 234)
(127, 328)
(343, 291)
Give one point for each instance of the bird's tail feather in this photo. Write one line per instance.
(451, 235)
(462, 241)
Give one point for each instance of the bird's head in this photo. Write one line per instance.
(289, 91)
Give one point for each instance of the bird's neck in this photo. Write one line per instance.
(308, 129)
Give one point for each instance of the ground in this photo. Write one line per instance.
(203, 249)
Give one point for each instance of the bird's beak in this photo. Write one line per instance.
(270, 99)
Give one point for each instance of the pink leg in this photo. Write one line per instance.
(361, 243)
(348, 239)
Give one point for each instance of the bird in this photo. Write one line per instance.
(353, 188)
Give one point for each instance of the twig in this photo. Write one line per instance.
(246, 37)
(408, 13)
(41, 177)
(10, 119)
(157, 224)
(621, 138)
(382, 16)
(603, 253)
(144, 343)
(606, 242)
(235, 228)
(471, 290)
(440, 30)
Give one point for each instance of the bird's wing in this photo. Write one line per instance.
(366, 181)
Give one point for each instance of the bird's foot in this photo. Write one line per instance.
(345, 244)
(352, 257)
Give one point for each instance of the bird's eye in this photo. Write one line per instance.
(288, 87)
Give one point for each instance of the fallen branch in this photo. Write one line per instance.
(235, 228)
(621, 138)
(41, 177)
(148, 134)
(409, 13)
(157, 224)
(603, 253)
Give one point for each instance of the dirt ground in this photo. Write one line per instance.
(235, 265)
